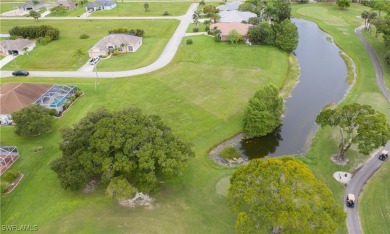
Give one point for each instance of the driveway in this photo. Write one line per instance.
(357, 182)
(164, 59)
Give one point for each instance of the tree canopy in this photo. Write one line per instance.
(343, 3)
(32, 120)
(127, 149)
(282, 196)
(357, 124)
(264, 112)
(286, 36)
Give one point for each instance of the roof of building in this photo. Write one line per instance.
(116, 40)
(65, 3)
(100, 3)
(15, 96)
(31, 3)
(236, 16)
(18, 44)
(226, 28)
(229, 6)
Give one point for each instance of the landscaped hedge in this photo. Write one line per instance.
(35, 32)
(6, 179)
(136, 32)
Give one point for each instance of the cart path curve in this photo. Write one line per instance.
(360, 178)
(165, 58)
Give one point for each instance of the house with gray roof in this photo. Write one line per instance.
(18, 46)
(229, 6)
(235, 16)
(100, 5)
(30, 5)
(67, 4)
(124, 43)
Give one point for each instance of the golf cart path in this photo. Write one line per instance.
(164, 59)
(360, 178)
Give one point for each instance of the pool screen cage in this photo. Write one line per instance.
(57, 96)
(8, 155)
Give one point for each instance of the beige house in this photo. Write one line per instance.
(123, 43)
(18, 46)
(226, 28)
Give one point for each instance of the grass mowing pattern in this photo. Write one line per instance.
(200, 99)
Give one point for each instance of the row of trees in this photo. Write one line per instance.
(34, 32)
(136, 32)
(283, 35)
(128, 150)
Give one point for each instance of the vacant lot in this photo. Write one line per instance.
(137, 9)
(157, 34)
(201, 95)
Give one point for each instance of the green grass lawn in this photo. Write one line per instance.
(201, 95)
(341, 24)
(72, 13)
(157, 34)
(137, 9)
(4, 7)
(374, 204)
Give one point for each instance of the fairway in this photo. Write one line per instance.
(157, 34)
(198, 95)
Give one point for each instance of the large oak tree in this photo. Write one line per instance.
(264, 112)
(127, 149)
(357, 124)
(32, 120)
(282, 196)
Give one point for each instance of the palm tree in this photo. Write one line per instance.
(25, 50)
(78, 54)
(365, 15)
(123, 47)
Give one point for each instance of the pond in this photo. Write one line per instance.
(323, 76)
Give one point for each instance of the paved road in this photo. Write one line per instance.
(164, 59)
(360, 178)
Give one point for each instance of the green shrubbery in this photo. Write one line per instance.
(136, 32)
(230, 153)
(189, 41)
(84, 36)
(33, 32)
(6, 179)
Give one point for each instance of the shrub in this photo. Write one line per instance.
(73, 98)
(230, 153)
(66, 105)
(139, 32)
(44, 40)
(78, 93)
(52, 112)
(189, 41)
(35, 31)
(10, 175)
(3, 186)
(166, 13)
(195, 29)
(387, 57)
(84, 36)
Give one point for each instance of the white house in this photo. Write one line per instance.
(229, 6)
(235, 16)
(100, 5)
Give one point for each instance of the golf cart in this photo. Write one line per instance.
(383, 155)
(351, 200)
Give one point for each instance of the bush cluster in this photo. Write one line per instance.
(84, 36)
(189, 41)
(33, 32)
(8, 177)
(136, 32)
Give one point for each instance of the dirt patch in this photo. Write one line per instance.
(138, 200)
(337, 160)
(90, 187)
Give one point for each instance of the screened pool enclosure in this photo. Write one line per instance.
(56, 97)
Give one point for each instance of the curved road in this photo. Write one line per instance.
(360, 178)
(164, 59)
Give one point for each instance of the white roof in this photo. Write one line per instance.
(235, 16)
(229, 6)
(351, 197)
(385, 152)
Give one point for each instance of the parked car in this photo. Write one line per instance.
(383, 155)
(90, 11)
(20, 73)
(94, 60)
(351, 200)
